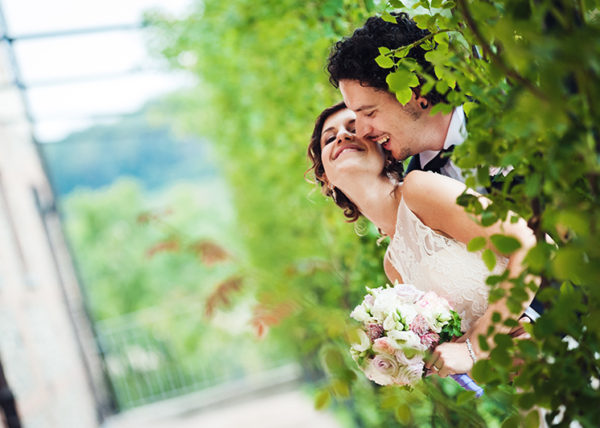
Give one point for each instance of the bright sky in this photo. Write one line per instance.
(61, 108)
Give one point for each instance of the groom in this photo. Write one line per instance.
(404, 130)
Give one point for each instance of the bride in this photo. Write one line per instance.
(428, 230)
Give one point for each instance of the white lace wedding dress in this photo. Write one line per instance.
(433, 262)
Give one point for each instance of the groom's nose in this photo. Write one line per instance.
(363, 129)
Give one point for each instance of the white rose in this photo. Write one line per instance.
(408, 293)
(382, 369)
(408, 314)
(386, 302)
(365, 342)
(389, 323)
(360, 314)
(406, 339)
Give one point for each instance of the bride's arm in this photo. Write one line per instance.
(432, 198)
(390, 271)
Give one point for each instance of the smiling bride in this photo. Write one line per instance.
(428, 230)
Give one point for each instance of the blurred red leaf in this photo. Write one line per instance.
(209, 252)
(221, 295)
(161, 247)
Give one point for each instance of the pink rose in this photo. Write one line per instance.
(384, 345)
(374, 331)
(430, 339)
(419, 325)
(413, 372)
(411, 369)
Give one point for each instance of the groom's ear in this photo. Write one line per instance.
(420, 100)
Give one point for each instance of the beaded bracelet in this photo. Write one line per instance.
(471, 353)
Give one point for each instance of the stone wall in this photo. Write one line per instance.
(46, 341)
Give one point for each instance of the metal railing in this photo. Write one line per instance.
(146, 362)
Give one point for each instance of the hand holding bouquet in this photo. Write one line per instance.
(400, 324)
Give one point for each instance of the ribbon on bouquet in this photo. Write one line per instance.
(467, 383)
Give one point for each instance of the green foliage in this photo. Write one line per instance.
(452, 329)
(531, 93)
(113, 246)
(530, 90)
(148, 286)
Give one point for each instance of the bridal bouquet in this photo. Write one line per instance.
(400, 324)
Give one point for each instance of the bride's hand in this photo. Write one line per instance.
(450, 358)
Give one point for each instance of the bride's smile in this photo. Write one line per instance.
(344, 155)
(347, 148)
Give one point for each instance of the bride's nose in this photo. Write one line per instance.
(344, 135)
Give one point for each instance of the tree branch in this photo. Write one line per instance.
(496, 59)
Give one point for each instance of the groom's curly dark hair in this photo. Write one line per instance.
(392, 168)
(353, 58)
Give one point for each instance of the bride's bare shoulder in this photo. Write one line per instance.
(418, 185)
(426, 192)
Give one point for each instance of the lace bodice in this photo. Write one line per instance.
(433, 262)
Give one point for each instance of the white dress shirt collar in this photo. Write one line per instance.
(457, 133)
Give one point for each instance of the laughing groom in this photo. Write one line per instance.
(404, 130)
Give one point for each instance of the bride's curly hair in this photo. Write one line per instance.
(392, 169)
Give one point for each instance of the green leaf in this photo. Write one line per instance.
(489, 258)
(401, 79)
(465, 397)
(476, 244)
(569, 263)
(401, 53)
(488, 217)
(511, 422)
(403, 414)
(423, 21)
(322, 400)
(388, 18)
(532, 420)
(436, 3)
(449, 5)
(397, 4)
(527, 347)
(482, 371)
(441, 108)
(332, 360)
(384, 61)
(505, 244)
(384, 51)
(404, 95)
(340, 388)
(468, 106)
(527, 401)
